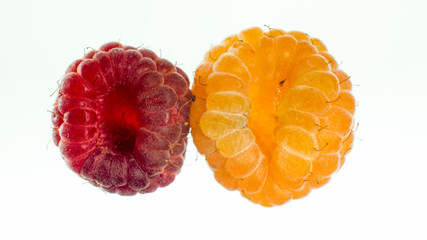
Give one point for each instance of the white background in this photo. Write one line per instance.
(380, 192)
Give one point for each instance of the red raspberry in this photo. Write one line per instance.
(121, 119)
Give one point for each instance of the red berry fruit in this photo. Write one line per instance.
(121, 119)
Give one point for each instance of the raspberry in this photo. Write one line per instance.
(121, 119)
(273, 114)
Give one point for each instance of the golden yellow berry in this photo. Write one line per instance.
(273, 114)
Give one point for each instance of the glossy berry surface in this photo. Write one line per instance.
(121, 119)
(273, 114)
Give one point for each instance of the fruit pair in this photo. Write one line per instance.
(271, 111)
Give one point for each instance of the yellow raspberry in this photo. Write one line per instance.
(273, 114)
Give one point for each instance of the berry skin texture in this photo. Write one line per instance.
(121, 119)
(273, 114)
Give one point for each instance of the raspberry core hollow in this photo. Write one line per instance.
(273, 114)
(121, 119)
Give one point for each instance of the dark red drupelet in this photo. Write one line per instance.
(121, 119)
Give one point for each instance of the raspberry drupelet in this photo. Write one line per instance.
(121, 119)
